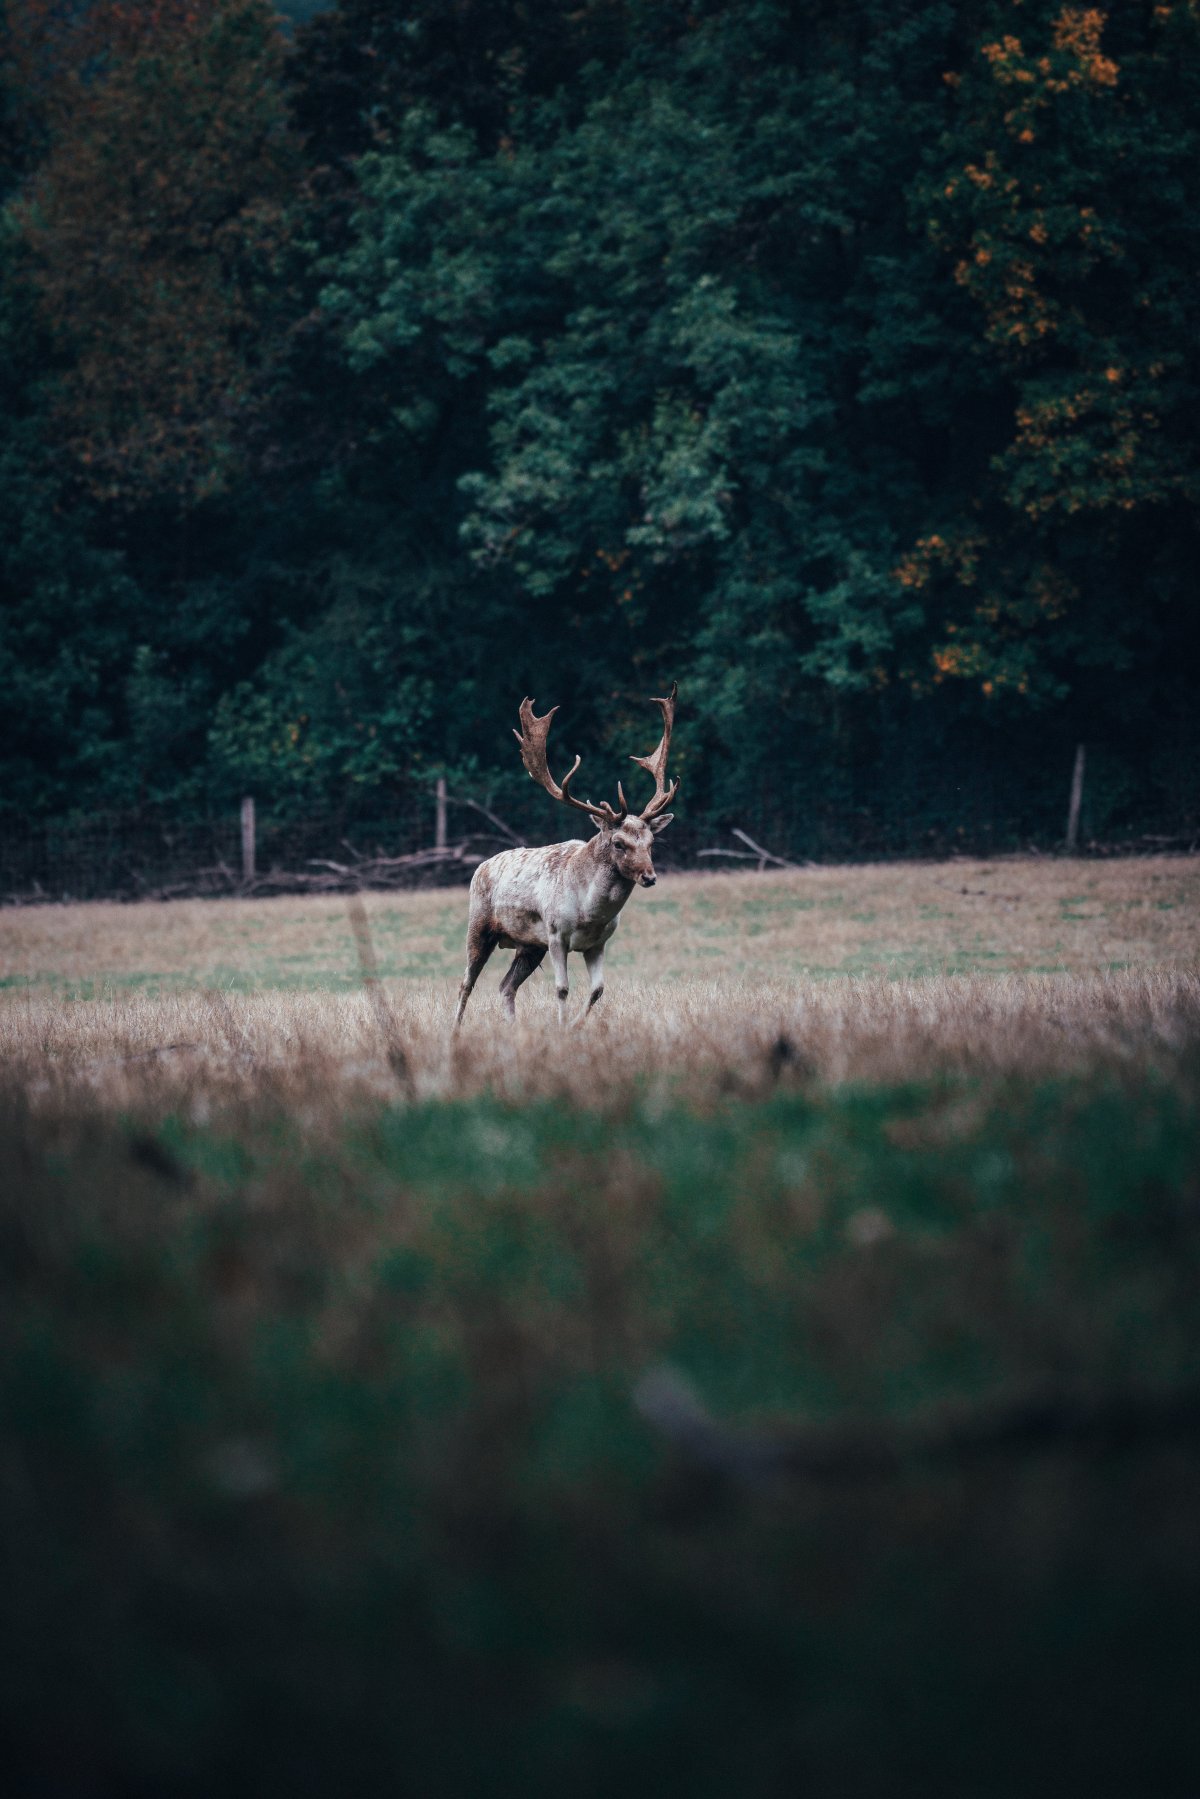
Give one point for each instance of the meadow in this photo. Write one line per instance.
(878, 973)
(791, 1379)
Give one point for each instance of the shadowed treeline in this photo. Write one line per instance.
(838, 361)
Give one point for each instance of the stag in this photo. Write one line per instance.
(568, 896)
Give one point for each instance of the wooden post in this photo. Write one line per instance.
(248, 838)
(439, 835)
(1076, 800)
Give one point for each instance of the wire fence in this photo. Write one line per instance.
(429, 837)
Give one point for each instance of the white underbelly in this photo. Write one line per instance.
(579, 940)
(586, 937)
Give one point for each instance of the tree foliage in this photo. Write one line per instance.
(838, 359)
(152, 225)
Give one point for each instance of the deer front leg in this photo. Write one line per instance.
(594, 958)
(558, 962)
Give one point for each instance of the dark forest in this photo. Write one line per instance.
(369, 369)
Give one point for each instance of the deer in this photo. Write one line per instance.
(567, 897)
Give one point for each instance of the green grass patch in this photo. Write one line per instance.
(324, 1464)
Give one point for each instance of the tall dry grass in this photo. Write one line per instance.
(692, 1039)
(1032, 967)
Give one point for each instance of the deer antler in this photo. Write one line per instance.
(656, 764)
(532, 739)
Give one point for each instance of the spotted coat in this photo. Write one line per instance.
(556, 901)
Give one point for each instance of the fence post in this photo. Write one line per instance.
(248, 846)
(1076, 799)
(439, 835)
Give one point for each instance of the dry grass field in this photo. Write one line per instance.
(788, 1382)
(873, 973)
(1022, 916)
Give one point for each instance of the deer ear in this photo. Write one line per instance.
(661, 822)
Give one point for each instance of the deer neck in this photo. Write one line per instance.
(607, 882)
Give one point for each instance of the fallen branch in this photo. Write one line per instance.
(766, 855)
(755, 853)
(1046, 1420)
(370, 867)
(505, 830)
(332, 876)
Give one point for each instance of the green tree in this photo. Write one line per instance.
(68, 608)
(1064, 196)
(701, 450)
(153, 225)
(835, 356)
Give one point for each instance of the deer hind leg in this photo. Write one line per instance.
(594, 959)
(480, 944)
(527, 961)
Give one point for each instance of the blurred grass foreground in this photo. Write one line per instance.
(788, 1384)
(831, 1441)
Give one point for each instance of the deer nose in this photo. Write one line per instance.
(648, 880)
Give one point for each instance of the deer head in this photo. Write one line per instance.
(626, 838)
